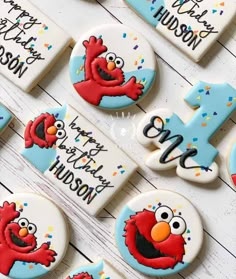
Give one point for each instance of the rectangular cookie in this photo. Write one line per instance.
(191, 25)
(30, 43)
(78, 158)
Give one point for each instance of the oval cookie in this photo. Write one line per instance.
(34, 236)
(112, 66)
(159, 233)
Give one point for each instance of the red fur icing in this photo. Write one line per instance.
(94, 87)
(172, 247)
(83, 275)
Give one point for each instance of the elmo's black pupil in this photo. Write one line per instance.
(23, 224)
(30, 228)
(111, 58)
(176, 225)
(118, 62)
(164, 215)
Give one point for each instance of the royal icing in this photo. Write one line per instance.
(186, 145)
(32, 242)
(159, 233)
(232, 164)
(76, 157)
(192, 25)
(30, 43)
(101, 270)
(5, 118)
(112, 66)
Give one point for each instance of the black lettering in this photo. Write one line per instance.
(89, 196)
(82, 190)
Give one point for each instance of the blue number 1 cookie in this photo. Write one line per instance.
(112, 66)
(159, 233)
(186, 146)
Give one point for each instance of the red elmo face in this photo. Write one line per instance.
(155, 238)
(83, 275)
(44, 131)
(107, 71)
(20, 236)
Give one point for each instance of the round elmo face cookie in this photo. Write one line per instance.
(33, 236)
(159, 233)
(112, 66)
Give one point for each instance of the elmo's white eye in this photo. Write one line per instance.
(31, 228)
(59, 124)
(23, 223)
(177, 225)
(164, 213)
(110, 57)
(119, 62)
(60, 134)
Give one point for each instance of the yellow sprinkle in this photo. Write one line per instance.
(50, 228)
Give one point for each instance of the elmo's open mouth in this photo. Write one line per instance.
(146, 248)
(40, 131)
(17, 241)
(104, 75)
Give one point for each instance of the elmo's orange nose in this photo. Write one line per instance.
(23, 232)
(160, 231)
(111, 66)
(52, 130)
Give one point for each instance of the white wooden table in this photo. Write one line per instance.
(92, 238)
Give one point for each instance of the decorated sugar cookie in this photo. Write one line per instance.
(112, 66)
(192, 25)
(76, 157)
(33, 237)
(185, 146)
(5, 118)
(30, 43)
(159, 233)
(101, 270)
(232, 164)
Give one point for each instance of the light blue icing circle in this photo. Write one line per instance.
(22, 270)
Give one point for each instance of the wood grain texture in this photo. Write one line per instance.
(92, 238)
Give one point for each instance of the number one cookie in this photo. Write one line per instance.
(186, 145)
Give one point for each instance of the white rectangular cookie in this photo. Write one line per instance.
(77, 157)
(191, 25)
(30, 43)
